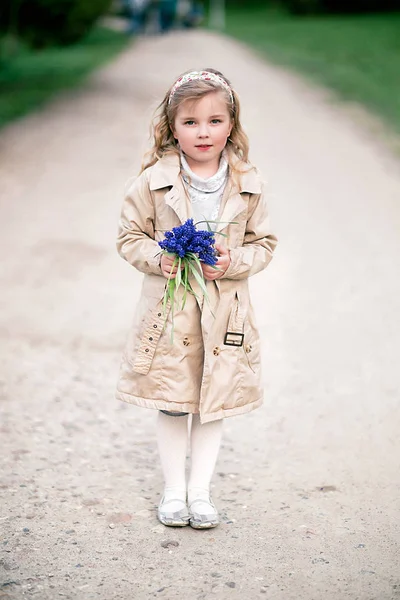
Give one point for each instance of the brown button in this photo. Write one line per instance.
(216, 351)
(146, 350)
(150, 339)
(248, 348)
(155, 326)
(159, 315)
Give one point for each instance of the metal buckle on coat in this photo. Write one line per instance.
(230, 338)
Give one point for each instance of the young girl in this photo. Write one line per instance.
(198, 168)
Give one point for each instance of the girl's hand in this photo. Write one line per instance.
(167, 260)
(222, 264)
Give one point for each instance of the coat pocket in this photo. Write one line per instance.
(148, 312)
(251, 345)
(151, 332)
(242, 333)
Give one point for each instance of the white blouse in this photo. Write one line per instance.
(205, 194)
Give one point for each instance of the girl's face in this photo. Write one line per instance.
(202, 128)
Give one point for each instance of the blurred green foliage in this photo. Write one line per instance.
(43, 23)
(31, 77)
(319, 6)
(340, 6)
(357, 55)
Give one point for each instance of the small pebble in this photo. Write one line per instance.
(112, 526)
(366, 572)
(169, 543)
(230, 584)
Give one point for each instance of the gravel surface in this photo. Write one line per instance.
(308, 485)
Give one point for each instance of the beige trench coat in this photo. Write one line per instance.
(213, 365)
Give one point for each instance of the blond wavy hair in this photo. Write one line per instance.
(161, 131)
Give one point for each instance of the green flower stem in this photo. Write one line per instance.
(189, 265)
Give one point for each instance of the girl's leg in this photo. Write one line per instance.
(172, 435)
(205, 444)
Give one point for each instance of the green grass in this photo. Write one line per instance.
(358, 56)
(29, 78)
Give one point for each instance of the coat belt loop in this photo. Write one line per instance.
(235, 335)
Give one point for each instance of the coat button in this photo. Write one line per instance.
(155, 326)
(158, 314)
(150, 339)
(186, 341)
(248, 348)
(147, 350)
(216, 351)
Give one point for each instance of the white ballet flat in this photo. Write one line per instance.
(200, 520)
(179, 518)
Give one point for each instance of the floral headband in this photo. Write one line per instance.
(205, 76)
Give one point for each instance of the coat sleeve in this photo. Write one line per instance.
(259, 243)
(135, 241)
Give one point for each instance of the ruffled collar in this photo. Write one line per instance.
(210, 184)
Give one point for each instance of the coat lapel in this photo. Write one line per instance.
(232, 205)
(235, 198)
(178, 200)
(166, 174)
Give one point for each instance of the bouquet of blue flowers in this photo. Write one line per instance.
(190, 247)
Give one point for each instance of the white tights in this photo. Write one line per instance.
(205, 440)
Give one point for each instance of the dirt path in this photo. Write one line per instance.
(308, 486)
